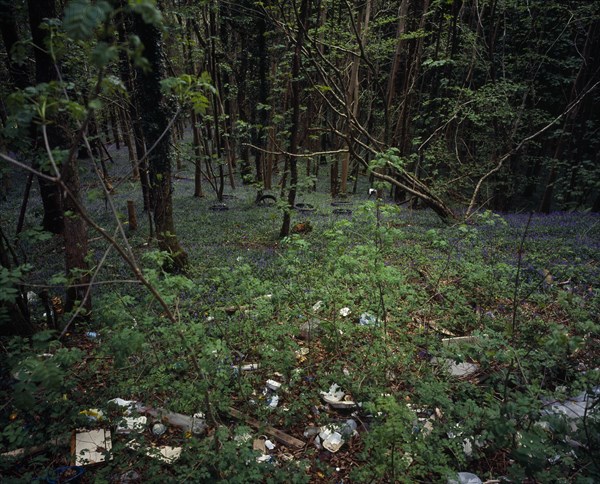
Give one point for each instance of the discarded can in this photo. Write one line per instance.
(158, 429)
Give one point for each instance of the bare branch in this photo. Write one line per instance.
(296, 155)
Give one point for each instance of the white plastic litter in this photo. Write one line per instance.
(367, 319)
(273, 385)
(344, 312)
(574, 408)
(459, 370)
(337, 398)
(317, 306)
(128, 405)
(465, 478)
(331, 439)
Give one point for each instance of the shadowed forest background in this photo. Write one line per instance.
(271, 219)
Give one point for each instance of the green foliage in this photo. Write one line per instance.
(190, 90)
(83, 17)
(148, 10)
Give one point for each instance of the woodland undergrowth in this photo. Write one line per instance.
(382, 290)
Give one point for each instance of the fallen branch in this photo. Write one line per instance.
(278, 435)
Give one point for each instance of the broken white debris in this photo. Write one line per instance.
(165, 453)
(345, 312)
(128, 405)
(317, 306)
(367, 319)
(332, 439)
(573, 408)
(92, 447)
(460, 370)
(465, 478)
(337, 398)
(273, 385)
(131, 424)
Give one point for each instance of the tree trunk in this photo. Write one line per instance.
(44, 73)
(155, 119)
(302, 25)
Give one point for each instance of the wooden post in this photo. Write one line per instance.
(131, 213)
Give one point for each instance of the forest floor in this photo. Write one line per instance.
(423, 349)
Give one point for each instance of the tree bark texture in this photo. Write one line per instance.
(154, 120)
(302, 24)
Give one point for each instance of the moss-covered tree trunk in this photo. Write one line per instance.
(45, 72)
(155, 121)
(61, 211)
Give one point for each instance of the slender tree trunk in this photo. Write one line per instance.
(197, 157)
(44, 73)
(302, 25)
(155, 119)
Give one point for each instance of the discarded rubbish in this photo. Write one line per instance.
(311, 432)
(165, 453)
(341, 211)
(184, 422)
(129, 405)
(460, 370)
(198, 423)
(349, 428)
(465, 478)
(304, 207)
(344, 312)
(91, 334)
(273, 401)
(264, 458)
(158, 429)
(367, 319)
(337, 398)
(129, 477)
(93, 414)
(66, 474)
(259, 444)
(460, 340)
(91, 447)
(317, 306)
(331, 439)
(277, 434)
(269, 445)
(301, 354)
(273, 385)
(131, 424)
(574, 408)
